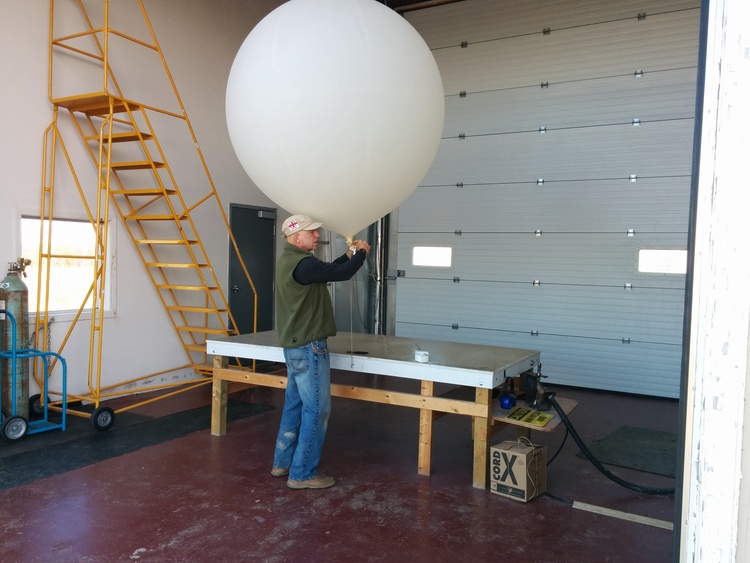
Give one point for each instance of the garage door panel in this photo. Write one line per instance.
(637, 367)
(606, 313)
(570, 54)
(611, 100)
(610, 260)
(609, 206)
(658, 149)
(488, 20)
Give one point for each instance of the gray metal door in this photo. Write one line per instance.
(254, 230)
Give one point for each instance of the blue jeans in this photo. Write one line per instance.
(307, 406)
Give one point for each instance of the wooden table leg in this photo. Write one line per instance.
(219, 394)
(426, 416)
(481, 431)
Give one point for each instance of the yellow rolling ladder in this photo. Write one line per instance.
(136, 183)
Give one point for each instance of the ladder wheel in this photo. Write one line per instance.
(14, 427)
(102, 419)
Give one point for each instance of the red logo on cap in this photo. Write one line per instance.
(293, 225)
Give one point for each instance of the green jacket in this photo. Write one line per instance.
(303, 312)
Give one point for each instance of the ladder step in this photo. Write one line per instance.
(203, 369)
(143, 191)
(195, 309)
(165, 241)
(195, 347)
(201, 329)
(123, 137)
(174, 265)
(165, 217)
(175, 287)
(136, 165)
(95, 103)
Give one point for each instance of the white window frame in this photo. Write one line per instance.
(30, 250)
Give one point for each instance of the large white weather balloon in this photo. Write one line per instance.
(335, 109)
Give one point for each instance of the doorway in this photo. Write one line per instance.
(254, 230)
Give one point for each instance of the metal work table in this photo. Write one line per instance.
(469, 365)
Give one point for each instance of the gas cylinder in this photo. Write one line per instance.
(14, 297)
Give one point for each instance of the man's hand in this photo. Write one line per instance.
(361, 245)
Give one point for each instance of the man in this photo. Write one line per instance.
(304, 321)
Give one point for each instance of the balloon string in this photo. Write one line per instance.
(351, 323)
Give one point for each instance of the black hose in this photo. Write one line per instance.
(565, 438)
(595, 462)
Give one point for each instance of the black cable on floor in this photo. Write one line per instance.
(596, 463)
(560, 448)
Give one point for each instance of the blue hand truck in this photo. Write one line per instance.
(15, 425)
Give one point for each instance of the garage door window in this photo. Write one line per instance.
(432, 256)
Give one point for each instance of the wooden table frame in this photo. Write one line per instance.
(392, 356)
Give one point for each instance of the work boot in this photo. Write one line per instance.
(279, 471)
(318, 482)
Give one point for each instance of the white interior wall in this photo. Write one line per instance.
(199, 42)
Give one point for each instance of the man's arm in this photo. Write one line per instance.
(311, 270)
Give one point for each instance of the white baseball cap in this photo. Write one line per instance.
(299, 223)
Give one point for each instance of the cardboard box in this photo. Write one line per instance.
(518, 470)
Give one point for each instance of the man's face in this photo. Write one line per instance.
(308, 240)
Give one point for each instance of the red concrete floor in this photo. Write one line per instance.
(205, 498)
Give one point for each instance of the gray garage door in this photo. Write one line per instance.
(566, 153)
